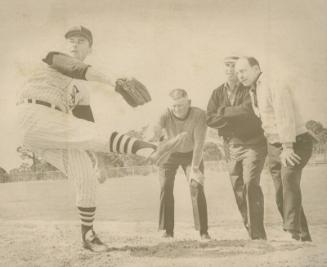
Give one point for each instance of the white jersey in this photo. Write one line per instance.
(60, 138)
(49, 85)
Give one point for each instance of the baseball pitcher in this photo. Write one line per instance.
(49, 128)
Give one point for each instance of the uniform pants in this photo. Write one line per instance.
(63, 140)
(287, 184)
(245, 164)
(167, 175)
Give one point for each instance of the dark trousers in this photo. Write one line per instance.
(287, 184)
(245, 164)
(167, 175)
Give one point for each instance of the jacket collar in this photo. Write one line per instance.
(257, 82)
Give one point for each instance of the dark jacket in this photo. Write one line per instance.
(237, 123)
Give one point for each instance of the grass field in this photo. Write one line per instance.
(39, 225)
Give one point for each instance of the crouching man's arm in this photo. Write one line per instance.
(199, 140)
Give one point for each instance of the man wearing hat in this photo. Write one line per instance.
(81, 37)
(230, 112)
(82, 109)
(48, 128)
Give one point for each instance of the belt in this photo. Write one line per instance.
(40, 102)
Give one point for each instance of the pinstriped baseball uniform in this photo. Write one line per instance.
(56, 122)
(54, 134)
(83, 110)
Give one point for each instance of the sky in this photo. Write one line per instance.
(165, 44)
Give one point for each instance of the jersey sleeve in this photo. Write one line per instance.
(66, 65)
(83, 112)
(283, 105)
(213, 117)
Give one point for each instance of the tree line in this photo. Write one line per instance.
(35, 168)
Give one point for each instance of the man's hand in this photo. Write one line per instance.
(195, 176)
(289, 157)
(194, 183)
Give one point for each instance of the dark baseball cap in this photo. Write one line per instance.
(82, 31)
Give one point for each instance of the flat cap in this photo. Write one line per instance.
(82, 31)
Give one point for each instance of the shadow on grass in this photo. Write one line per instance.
(213, 248)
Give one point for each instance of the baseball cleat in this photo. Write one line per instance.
(165, 148)
(317, 131)
(92, 242)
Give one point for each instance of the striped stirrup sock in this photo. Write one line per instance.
(124, 144)
(87, 217)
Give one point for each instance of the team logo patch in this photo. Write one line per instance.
(73, 97)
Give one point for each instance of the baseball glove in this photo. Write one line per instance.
(317, 131)
(133, 91)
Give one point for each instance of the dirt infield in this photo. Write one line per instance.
(137, 244)
(39, 226)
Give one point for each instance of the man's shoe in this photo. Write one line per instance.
(164, 149)
(205, 237)
(168, 234)
(295, 235)
(92, 242)
(305, 237)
